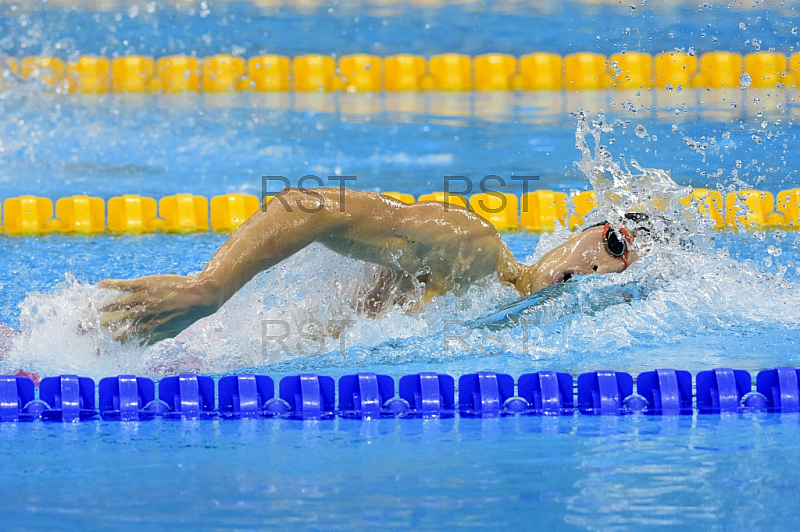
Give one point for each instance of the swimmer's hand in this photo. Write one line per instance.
(156, 307)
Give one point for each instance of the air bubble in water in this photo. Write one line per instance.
(745, 80)
(674, 128)
(640, 131)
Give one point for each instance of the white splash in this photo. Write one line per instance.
(60, 333)
(281, 315)
(618, 190)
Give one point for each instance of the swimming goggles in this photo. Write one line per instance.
(617, 242)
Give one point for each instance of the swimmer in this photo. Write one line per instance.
(444, 248)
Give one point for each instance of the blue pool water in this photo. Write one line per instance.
(385, 28)
(497, 473)
(732, 300)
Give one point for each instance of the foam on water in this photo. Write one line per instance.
(300, 316)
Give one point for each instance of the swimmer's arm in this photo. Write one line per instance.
(259, 244)
(161, 306)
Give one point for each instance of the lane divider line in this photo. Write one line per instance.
(225, 73)
(364, 396)
(538, 211)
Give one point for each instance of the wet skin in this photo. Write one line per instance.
(447, 248)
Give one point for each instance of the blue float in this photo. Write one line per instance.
(308, 396)
(69, 398)
(363, 395)
(548, 393)
(187, 397)
(608, 393)
(780, 387)
(15, 394)
(667, 391)
(245, 396)
(428, 394)
(484, 394)
(722, 390)
(125, 398)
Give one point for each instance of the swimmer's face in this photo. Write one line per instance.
(584, 253)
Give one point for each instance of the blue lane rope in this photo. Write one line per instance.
(70, 398)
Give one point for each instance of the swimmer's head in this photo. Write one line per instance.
(600, 248)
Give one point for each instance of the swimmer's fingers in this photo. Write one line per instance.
(133, 302)
(124, 325)
(119, 327)
(137, 292)
(128, 314)
(123, 329)
(152, 308)
(113, 304)
(110, 320)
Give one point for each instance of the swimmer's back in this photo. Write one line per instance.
(454, 245)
